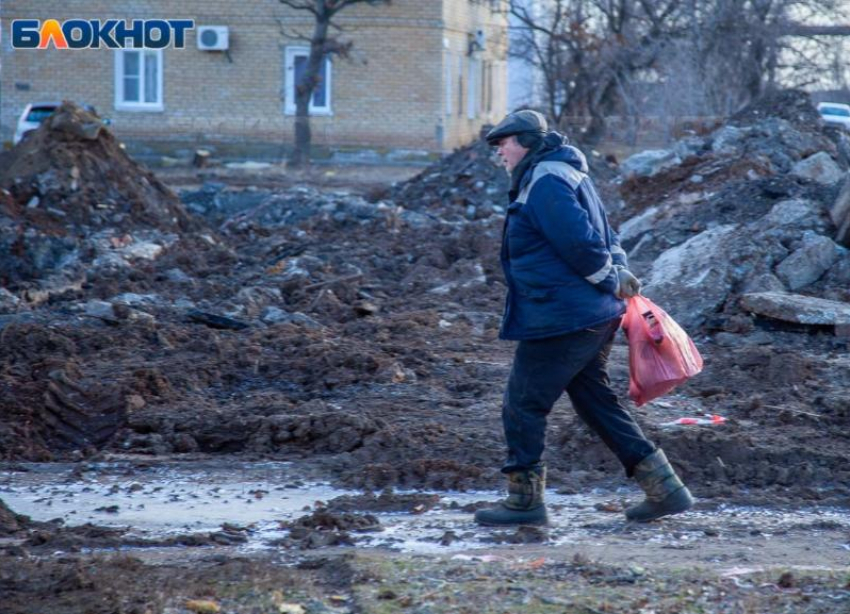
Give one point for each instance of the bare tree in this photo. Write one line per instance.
(589, 50)
(697, 57)
(741, 48)
(322, 45)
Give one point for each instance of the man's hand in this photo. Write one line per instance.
(627, 284)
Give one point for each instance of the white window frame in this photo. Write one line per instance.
(289, 83)
(460, 85)
(449, 77)
(123, 105)
(473, 87)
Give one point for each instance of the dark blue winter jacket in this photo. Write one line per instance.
(558, 252)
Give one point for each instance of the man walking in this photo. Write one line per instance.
(567, 278)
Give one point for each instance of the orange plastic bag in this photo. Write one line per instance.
(661, 355)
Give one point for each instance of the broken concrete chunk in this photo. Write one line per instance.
(216, 321)
(8, 302)
(806, 265)
(82, 125)
(820, 168)
(177, 276)
(840, 214)
(689, 146)
(839, 275)
(649, 163)
(143, 250)
(100, 309)
(693, 279)
(276, 315)
(136, 300)
(466, 273)
(766, 282)
(305, 321)
(792, 213)
(635, 226)
(727, 139)
(797, 308)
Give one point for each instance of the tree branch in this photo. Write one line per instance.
(301, 5)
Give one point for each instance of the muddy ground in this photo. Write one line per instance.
(348, 326)
(141, 536)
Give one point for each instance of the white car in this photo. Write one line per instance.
(36, 112)
(835, 113)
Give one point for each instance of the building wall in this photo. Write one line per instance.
(388, 94)
(462, 18)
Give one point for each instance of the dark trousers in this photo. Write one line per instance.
(578, 363)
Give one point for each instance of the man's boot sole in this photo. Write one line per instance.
(676, 503)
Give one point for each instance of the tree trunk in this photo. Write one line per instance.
(599, 109)
(303, 135)
(304, 91)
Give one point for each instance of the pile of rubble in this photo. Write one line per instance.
(751, 218)
(469, 184)
(69, 192)
(307, 323)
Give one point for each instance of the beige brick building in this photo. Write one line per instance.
(422, 75)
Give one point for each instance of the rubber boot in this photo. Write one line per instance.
(665, 493)
(524, 504)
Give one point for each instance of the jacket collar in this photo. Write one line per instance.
(555, 146)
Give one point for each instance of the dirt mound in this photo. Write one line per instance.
(323, 528)
(10, 522)
(387, 501)
(472, 184)
(791, 105)
(66, 180)
(72, 172)
(50, 402)
(466, 184)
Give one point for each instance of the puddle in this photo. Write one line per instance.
(161, 499)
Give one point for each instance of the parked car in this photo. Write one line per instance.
(36, 112)
(835, 113)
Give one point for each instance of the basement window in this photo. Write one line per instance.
(138, 80)
(295, 69)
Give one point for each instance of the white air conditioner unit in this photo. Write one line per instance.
(213, 38)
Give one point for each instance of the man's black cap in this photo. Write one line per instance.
(519, 122)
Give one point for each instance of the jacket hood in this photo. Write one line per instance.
(555, 147)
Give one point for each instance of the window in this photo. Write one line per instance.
(448, 78)
(138, 80)
(836, 111)
(296, 66)
(488, 96)
(460, 85)
(473, 98)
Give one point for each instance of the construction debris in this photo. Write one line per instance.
(362, 332)
(759, 218)
(69, 193)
